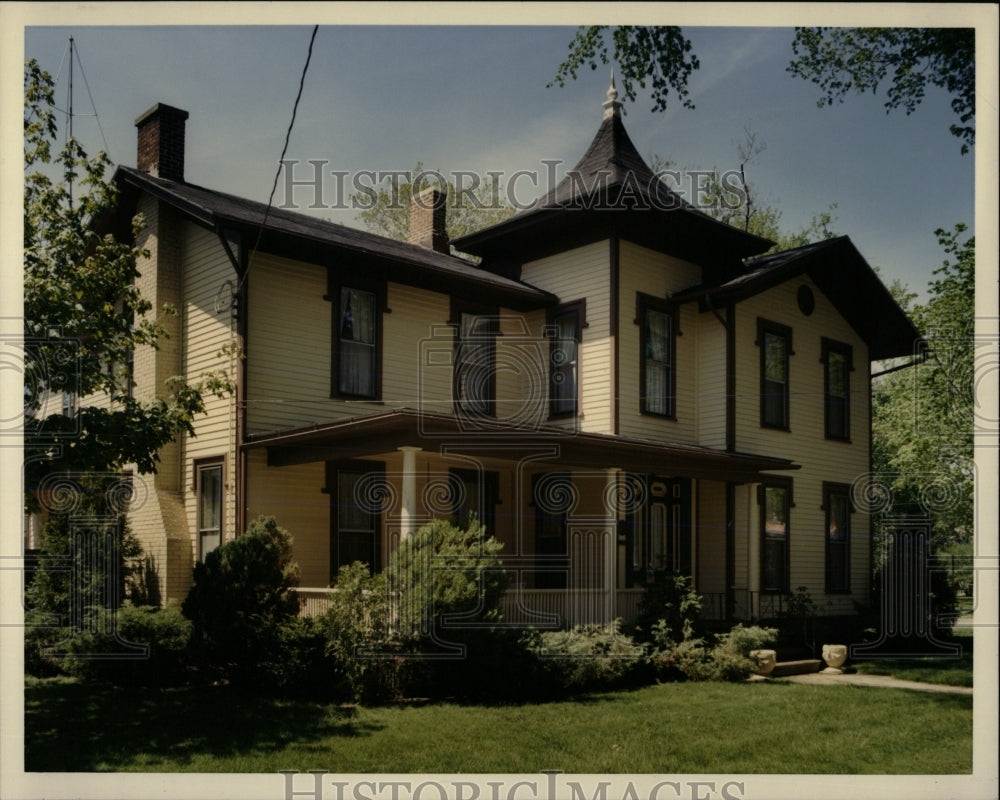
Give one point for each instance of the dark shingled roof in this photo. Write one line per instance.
(842, 274)
(288, 231)
(612, 164)
(612, 176)
(369, 435)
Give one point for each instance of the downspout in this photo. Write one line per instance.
(729, 324)
(615, 268)
(871, 467)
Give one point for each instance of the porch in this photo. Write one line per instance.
(585, 520)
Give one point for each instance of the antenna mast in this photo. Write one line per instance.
(69, 128)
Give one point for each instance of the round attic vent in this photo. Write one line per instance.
(807, 303)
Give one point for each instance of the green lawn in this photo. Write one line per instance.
(764, 728)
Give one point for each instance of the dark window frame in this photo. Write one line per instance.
(645, 303)
(828, 347)
(491, 313)
(578, 310)
(198, 466)
(337, 281)
(782, 586)
(843, 491)
(334, 471)
(767, 328)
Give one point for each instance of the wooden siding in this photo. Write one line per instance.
(522, 378)
(646, 271)
(805, 442)
(294, 497)
(207, 270)
(288, 346)
(584, 273)
(417, 350)
(710, 538)
(289, 363)
(710, 395)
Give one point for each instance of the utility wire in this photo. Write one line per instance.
(284, 150)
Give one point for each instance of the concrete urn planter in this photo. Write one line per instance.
(766, 659)
(834, 655)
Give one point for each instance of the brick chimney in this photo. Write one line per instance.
(161, 142)
(427, 220)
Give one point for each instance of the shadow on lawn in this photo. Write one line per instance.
(84, 727)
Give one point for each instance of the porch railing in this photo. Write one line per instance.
(313, 601)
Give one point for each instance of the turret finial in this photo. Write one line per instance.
(611, 105)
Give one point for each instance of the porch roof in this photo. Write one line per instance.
(371, 435)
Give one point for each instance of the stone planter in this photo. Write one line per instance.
(834, 655)
(766, 659)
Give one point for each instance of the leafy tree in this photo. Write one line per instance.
(922, 417)
(839, 60)
(844, 60)
(660, 55)
(477, 202)
(87, 558)
(84, 314)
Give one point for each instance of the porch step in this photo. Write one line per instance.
(806, 665)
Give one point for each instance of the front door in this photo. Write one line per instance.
(658, 529)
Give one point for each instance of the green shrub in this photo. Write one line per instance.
(111, 650)
(357, 636)
(671, 602)
(298, 663)
(444, 576)
(589, 658)
(731, 656)
(446, 585)
(243, 592)
(726, 659)
(680, 661)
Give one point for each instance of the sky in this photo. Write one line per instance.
(460, 97)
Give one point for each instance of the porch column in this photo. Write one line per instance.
(408, 507)
(611, 544)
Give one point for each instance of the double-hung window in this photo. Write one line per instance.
(775, 501)
(837, 389)
(357, 346)
(358, 303)
(775, 342)
(657, 321)
(209, 491)
(564, 360)
(837, 505)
